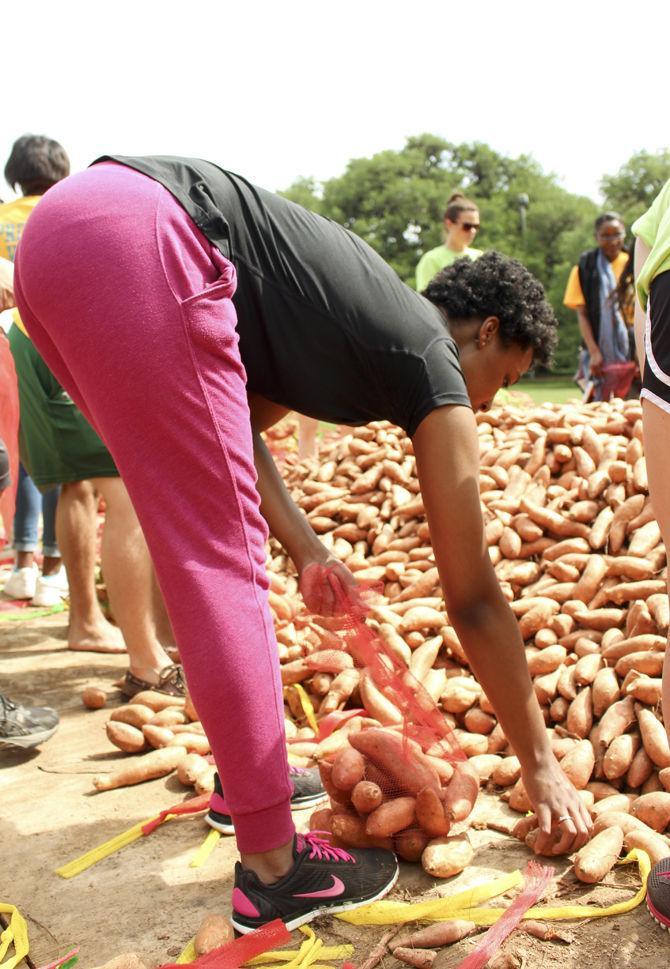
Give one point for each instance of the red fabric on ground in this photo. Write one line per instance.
(235, 954)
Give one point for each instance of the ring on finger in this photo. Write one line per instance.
(563, 817)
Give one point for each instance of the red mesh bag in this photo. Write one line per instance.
(404, 782)
(617, 379)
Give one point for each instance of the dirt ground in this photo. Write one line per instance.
(146, 898)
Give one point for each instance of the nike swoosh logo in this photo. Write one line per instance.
(337, 888)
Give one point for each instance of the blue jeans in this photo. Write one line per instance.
(29, 503)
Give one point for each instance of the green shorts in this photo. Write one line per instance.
(56, 443)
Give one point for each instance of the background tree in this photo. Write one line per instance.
(395, 200)
(634, 187)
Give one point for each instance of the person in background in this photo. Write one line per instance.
(461, 225)
(21, 726)
(60, 447)
(591, 292)
(48, 163)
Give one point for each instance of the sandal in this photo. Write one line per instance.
(170, 680)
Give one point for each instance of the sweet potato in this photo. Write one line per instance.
(170, 717)
(578, 764)
(93, 698)
(406, 765)
(214, 931)
(654, 738)
(646, 662)
(619, 755)
(484, 765)
(655, 846)
(366, 796)
(410, 844)
(640, 769)
(438, 934)
(614, 802)
(653, 810)
(580, 714)
(391, 817)
(619, 819)
(444, 857)
(135, 714)
(158, 701)
(157, 736)
(598, 856)
(126, 738)
(348, 769)
(507, 772)
(157, 763)
(351, 831)
(195, 743)
(430, 813)
(378, 706)
(589, 583)
(461, 792)
(419, 958)
(616, 720)
(190, 767)
(605, 691)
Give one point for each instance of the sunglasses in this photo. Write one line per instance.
(468, 226)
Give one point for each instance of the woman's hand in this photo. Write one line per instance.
(564, 822)
(328, 587)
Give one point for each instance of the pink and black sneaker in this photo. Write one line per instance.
(323, 879)
(658, 893)
(307, 791)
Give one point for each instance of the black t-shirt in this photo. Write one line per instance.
(326, 327)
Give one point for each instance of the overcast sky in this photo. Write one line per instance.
(279, 90)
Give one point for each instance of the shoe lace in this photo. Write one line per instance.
(323, 850)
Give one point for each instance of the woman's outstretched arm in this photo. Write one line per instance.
(447, 455)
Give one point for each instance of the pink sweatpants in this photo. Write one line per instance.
(130, 306)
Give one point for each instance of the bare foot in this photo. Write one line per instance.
(99, 638)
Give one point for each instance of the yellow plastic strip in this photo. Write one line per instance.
(305, 956)
(16, 933)
(384, 913)
(307, 707)
(205, 849)
(188, 954)
(392, 913)
(80, 864)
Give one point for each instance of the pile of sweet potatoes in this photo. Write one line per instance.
(575, 544)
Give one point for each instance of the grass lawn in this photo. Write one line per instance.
(553, 390)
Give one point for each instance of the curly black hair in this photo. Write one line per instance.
(495, 285)
(35, 164)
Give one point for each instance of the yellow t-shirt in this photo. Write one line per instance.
(574, 297)
(13, 217)
(654, 228)
(436, 259)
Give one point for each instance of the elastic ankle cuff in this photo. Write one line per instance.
(264, 830)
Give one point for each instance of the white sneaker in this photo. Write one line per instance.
(22, 583)
(50, 589)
